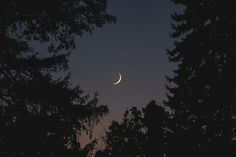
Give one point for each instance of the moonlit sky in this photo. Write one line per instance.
(135, 46)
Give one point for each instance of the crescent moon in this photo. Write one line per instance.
(119, 80)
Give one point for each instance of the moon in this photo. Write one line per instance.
(119, 80)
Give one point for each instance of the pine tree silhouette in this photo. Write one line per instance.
(202, 92)
(41, 114)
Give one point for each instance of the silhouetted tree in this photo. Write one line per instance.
(126, 138)
(140, 133)
(100, 153)
(154, 121)
(41, 114)
(203, 91)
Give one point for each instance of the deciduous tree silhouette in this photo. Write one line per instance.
(203, 94)
(140, 134)
(126, 138)
(41, 115)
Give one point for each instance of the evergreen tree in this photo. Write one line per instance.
(154, 120)
(41, 114)
(203, 91)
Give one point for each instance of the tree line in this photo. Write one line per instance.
(42, 115)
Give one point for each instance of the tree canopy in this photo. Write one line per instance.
(140, 133)
(41, 114)
(203, 95)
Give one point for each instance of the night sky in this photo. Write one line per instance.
(135, 46)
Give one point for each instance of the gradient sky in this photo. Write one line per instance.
(136, 47)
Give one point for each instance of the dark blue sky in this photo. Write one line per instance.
(135, 46)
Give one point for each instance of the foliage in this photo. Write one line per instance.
(141, 133)
(126, 138)
(41, 114)
(203, 95)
